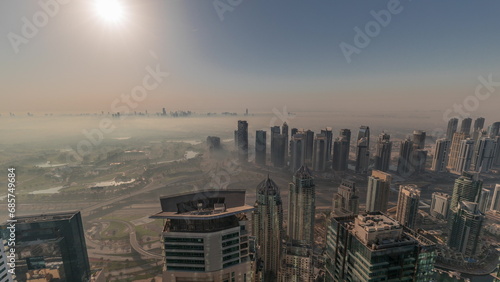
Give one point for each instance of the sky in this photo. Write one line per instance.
(228, 55)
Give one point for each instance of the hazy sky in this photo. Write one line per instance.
(263, 54)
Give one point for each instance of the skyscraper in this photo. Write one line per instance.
(364, 132)
(293, 131)
(494, 129)
(452, 128)
(329, 141)
(284, 131)
(440, 158)
(466, 188)
(419, 159)
(466, 226)
(408, 202)
(309, 137)
(278, 150)
(213, 143)
(297, 151)
(495, 200)
(260, 147)
(347, 133)
(362, 156)
(440, 205)
(242, 142)
(419, 138)
(465, 152)
(53, 242)
(340, 153)
(484, 154)
(346, 201)
(206, 236)
(405, 166)
(496, 160)
(455, 150)
(478, 123)
(373, 247)
(483, 200)
(275, 131)
(377, 197)
(267, 220)
(465, 126)
(320, 154)
(383, 152)
(302, 207)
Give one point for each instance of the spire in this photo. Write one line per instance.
(268, 186)
(303, 172)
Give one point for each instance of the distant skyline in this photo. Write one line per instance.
(262, 55)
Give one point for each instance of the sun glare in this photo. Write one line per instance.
(110, 10)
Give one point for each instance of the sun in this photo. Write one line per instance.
(110, 10)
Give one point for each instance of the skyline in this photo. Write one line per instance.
(219, 64)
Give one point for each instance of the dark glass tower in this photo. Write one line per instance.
(242, 134)
(452, 128)
(260, 147)
(383, 152)
(53, 241)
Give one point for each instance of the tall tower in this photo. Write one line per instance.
(455, 150)
(329, 141)
(364, 132)
(297, 151)
(465, 126)
(309, 136)
(419, 159)
(275, 131)
(346, 201)
(452, 128)
(377, 197)
(478, 124)
(466, 226)
(405, 166)
(440, 158)
(383, 152)
(419, 138)
(408, 202)
(362, 156)
(483, 200)
(320, 154)
(484, 154)
(340, 153)
(242, 143)
(302, 206)
(466, 188)
(260, 147)
(465, 151)
(279, 150)
(267, 220)
(494, 129)
(284, 131)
